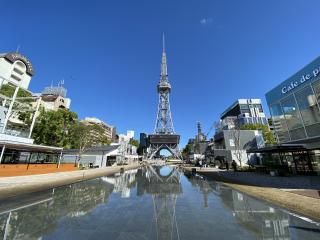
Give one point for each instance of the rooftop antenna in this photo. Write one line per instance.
(18, 48)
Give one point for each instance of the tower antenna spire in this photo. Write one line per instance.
(163, 43)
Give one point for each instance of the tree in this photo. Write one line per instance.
(8, 90)
(235, 137)
(22, 105)
(85, 136)
(186, 151)
(268, 136)
(134, 142)
(55, 128)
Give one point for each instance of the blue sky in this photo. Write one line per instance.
(109, 53)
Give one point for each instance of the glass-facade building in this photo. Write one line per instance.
(295, 107)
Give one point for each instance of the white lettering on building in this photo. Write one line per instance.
(303, 79)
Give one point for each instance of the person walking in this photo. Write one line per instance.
(234, 165)
(200, 163)
(227, 165)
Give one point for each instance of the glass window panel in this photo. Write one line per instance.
(291, 113)
(245, 111)
(313, 130)
(308, 106)
(244, 106)
(259, 106)
(297, 134)
(316, 89)
(279, 122)
(283, 136)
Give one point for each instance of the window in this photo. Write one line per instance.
(308, 106)
(259, 106)
(291, 113)
(244, 106)
(316, 89)
(279, 122)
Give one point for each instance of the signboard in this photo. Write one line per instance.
(12, 57)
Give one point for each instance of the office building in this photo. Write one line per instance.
(108, 130)
(241, 112)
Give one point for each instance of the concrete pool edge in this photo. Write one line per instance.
(306, 206)
(303, 205)
(13, 186)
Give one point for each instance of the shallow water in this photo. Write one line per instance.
(148, 203)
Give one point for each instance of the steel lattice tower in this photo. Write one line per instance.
(164, 136)
(164, 123)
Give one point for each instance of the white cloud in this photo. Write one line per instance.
(205, 21)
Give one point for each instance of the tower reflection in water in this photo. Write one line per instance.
(148, 203)
(164, 189)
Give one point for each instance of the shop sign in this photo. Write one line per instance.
(304, 78)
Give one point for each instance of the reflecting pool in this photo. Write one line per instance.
(149, 203)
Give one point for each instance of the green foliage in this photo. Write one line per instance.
(134, 142)
(8, 90)
(85, 136)
(186, 151)
(62, 128)
(20, 104)
(267, 134)
(55, 128)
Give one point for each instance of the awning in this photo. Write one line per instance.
(29, 147)
(279, 148)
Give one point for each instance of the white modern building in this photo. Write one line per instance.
(102, 156)
(241, 112)
(18, 115)
(126, 137)
(17, 68)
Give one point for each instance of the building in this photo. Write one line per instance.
(229, 141)
(243, 111)
(295, 109)
(16, 68)
(102, 156)
(18, 115)
(126, 137)
(198, 144)
(108, 130)
(233, 144)
(54, 98)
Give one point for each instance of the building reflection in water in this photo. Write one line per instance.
(257, 217)
(38, 214)
(79, 208)
(122, 182)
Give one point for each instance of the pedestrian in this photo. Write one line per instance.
(227, 165)
(234, 165)
(200, 163)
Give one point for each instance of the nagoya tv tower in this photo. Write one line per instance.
(164, 136)
(164, 123)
